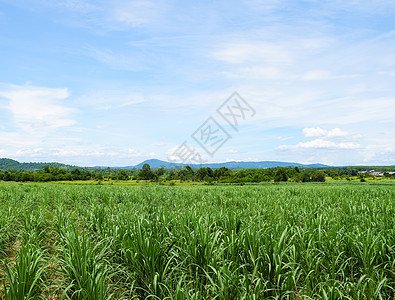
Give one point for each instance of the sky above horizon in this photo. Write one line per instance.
(114, 83)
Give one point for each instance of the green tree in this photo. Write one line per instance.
(122, 175)
(204, 174)
(7, 176)
(160, 171)
(189, 173)
(99, 176)
(305, 177)
(318, 176)
(281, 175)
(221, 173)
(146, 173)
(76, 174)
(47, 169)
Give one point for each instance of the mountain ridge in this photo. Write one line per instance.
(156, 163)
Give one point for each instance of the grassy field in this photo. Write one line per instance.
(270, 241)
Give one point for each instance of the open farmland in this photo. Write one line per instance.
(270, 241)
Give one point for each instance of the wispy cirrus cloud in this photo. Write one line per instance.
(251, 51)
(107, 99)
(132, 61)
(134, 13)
(325, 75)
(103, 16)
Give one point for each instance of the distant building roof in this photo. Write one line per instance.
(377, 173)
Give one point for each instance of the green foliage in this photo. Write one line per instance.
(269, 241)
(84, 266)
(122, 175)
(281, 175)
(207, 175)
(25, 278)
(204, 174)
(146, 173)
(10, 164)
(160, 171)
(318, 176)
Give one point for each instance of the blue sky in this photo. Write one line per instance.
(117, 82)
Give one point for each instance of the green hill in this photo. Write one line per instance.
(10, 164)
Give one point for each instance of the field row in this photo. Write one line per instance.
(290, 241)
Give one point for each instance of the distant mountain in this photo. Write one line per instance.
(10, 164)
(156, 163)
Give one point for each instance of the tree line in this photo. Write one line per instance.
(204, 174)
(225, 175)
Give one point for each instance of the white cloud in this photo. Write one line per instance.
(37, 121)
(79, 155)
(137, 154)
(30, 152)
(313, 132)
(321, 143)
(189, 155)
(37, 108)
(385, 154)
(326, 139)
(319, 132)
(337, 132)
